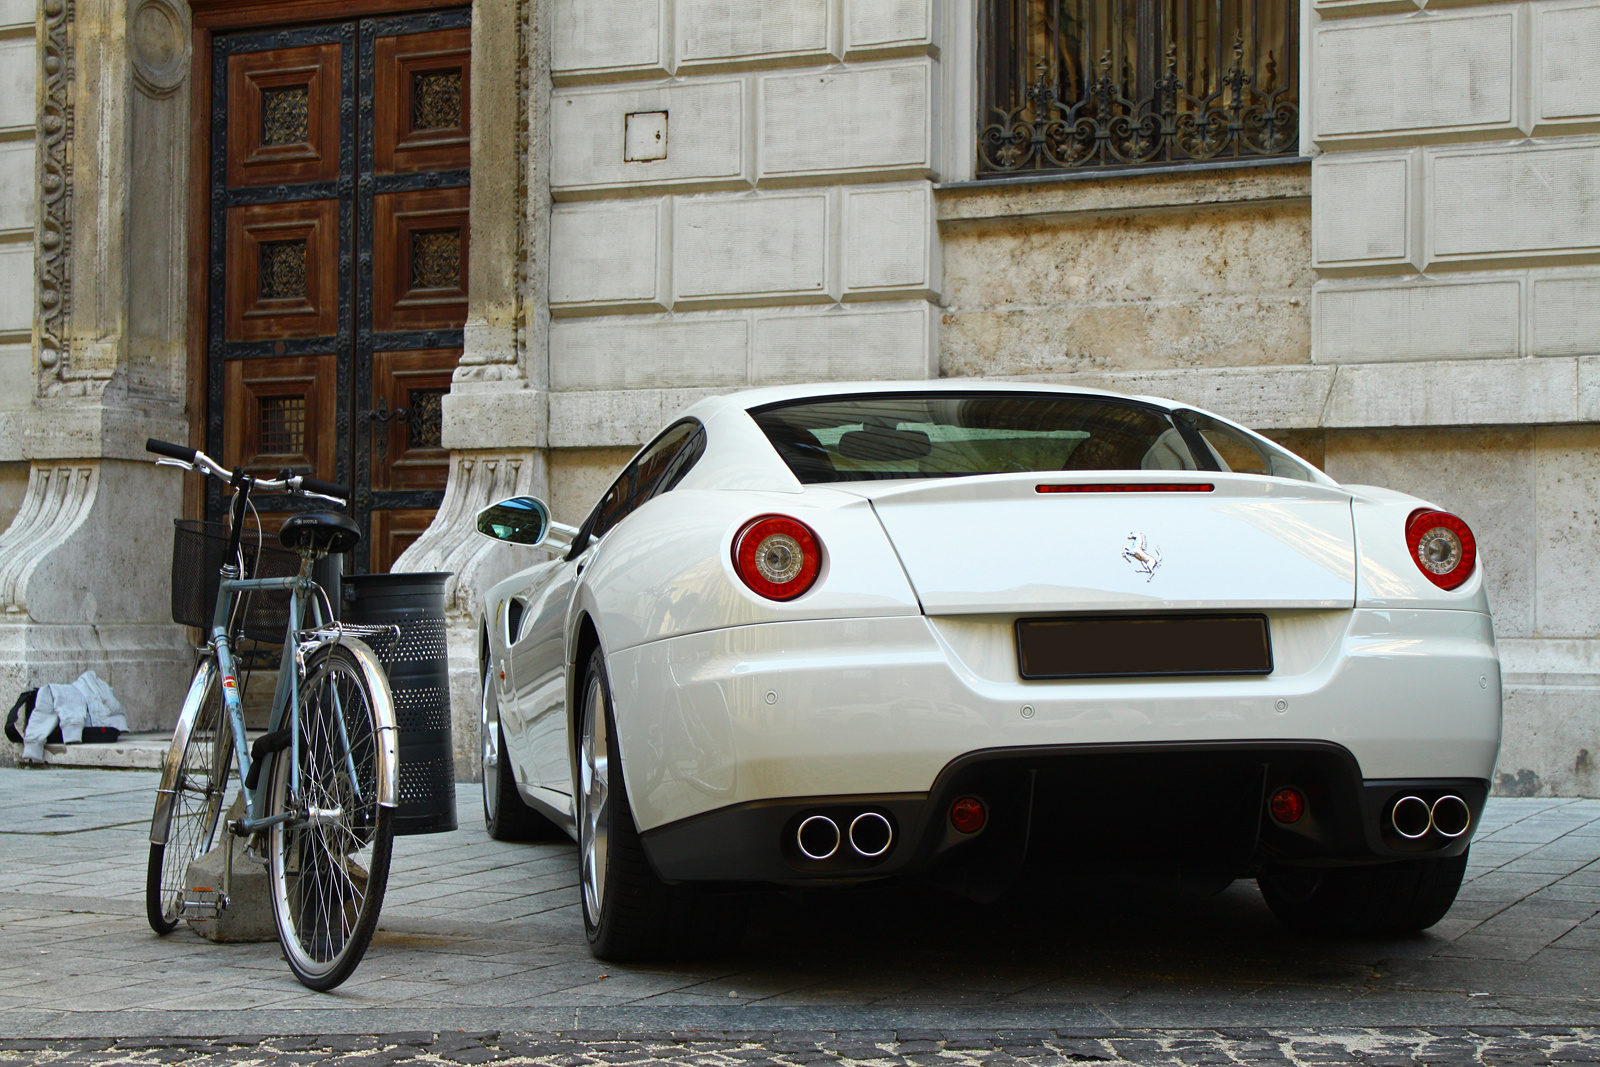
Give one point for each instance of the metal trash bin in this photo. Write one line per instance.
(419, 678)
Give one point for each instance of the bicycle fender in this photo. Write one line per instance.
(161, 819)
(383, 707)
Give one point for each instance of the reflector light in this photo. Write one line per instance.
(1442, 547)
(967, 815)
(776, 556)
(1287, 804)
(1130, 487)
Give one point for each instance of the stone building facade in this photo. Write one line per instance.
(671, 198)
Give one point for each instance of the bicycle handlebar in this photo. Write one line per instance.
(301, 483)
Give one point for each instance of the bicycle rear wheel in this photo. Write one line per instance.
(328, 865)
(189, 802)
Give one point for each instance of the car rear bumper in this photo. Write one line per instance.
(1190, 811)
(882, 707)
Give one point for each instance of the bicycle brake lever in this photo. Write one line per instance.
(318, 496)
(165, 462)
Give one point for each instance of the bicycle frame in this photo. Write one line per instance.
(285, 711)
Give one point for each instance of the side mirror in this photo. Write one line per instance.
(518, 520)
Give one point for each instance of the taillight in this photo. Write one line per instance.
(777, 556)
(1442, 547)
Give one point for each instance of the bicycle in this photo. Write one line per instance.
(320, 786)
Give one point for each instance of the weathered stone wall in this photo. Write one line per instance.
(1098, 273)
(19, 182)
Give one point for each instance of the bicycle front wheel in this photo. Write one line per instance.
(329, 861)
(189, 799)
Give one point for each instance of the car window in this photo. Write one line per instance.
(930, 435)
(1243, 453)
(657, 469)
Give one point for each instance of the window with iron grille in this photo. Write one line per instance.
(1073, 84)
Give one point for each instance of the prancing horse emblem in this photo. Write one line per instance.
(1144, 557)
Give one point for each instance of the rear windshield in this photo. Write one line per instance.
(945, 434)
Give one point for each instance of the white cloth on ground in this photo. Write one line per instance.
(85, 702)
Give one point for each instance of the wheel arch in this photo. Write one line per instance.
(585, 639)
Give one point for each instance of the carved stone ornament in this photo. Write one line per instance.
(159, 40)
(57, 502)
(52, 253)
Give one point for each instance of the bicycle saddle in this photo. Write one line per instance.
(320, 531)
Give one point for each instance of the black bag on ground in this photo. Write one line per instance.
(17, 717)
(17, 722)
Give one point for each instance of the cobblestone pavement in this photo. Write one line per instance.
(1376, 1046)
(482, 936)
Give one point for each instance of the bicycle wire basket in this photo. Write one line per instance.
(199, 549)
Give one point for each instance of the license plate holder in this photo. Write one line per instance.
(1143, 646)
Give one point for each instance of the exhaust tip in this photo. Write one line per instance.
(1411, 817)
(870, 834)
(1451, 816)
(818, 837)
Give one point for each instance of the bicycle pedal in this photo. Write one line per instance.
(202, 902)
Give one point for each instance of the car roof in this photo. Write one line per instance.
(749, 399)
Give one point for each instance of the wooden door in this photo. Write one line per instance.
(338, 251)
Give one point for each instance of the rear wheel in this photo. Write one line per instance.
(329, 863)
(189, 803)
(1386, 899)
(629, 913)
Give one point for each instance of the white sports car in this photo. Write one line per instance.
(945, 629)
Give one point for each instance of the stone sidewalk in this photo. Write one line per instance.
(484, 937)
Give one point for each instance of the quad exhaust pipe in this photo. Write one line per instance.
(1412, 817)
(869, 836)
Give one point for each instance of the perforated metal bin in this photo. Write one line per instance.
(418, 667)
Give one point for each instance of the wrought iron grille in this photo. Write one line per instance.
(1073, 84)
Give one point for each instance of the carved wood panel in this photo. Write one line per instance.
(423, 103)
(283, 116)
(420, 242)
(409, 452)
(281, 414)
(283, 270)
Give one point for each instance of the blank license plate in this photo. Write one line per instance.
(1132, 646)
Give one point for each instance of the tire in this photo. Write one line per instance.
(1383, 900)
(628, 913)
(197, 785)
(506, 816)
(327, 878)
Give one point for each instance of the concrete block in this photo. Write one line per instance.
(884, 24)
(892, 343)
(861, 121)
(248, 916)
(19, 58)
(609, 254)
(1513, 204)
(1416, 320)
(1484, 475)
(1565, 533)
(763, 31)
(1363, 210)
(1433, 75)
(16, 286)
(705, 138)
(890, 241)
(1504, 392)
(634, 353)
(1566, 66)
(17, 186)
(1565, 313)
(752, 249)
(607, 38)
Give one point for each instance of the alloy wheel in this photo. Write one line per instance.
(594, 792)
